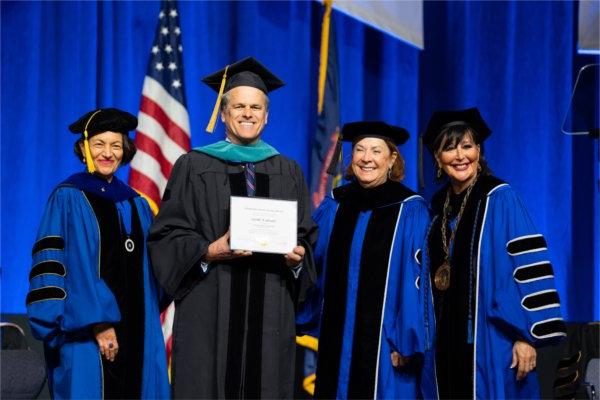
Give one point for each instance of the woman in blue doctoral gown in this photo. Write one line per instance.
(494, 298)
(369, 253)
(93, 299)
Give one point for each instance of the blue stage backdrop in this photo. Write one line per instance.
(514, 60)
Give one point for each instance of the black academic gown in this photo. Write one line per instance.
(234, 329)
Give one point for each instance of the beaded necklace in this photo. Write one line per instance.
(442, 274)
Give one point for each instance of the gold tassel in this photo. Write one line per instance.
(324, 53)
(88, 156)
(89, 162)
(210, 128)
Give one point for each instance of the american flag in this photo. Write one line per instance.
(163, 132)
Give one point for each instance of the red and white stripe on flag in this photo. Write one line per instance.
(166, 320)
(162, 136)
(163, 132)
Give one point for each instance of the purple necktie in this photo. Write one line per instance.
(250, 179)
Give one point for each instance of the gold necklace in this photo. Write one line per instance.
(441, 278)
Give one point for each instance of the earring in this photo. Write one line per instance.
(438, 172)
(479, 167)
(389, 173)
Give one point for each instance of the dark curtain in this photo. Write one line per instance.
(514, 60)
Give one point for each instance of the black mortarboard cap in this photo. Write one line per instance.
(246, 72)
(441, 120)
(103, 120)
(354, 131)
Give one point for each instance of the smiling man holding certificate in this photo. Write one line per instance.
(232, 244)
(263, 225)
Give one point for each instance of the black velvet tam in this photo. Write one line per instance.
(104, 120)
(441, 120)
(354, 131)
(246, 72)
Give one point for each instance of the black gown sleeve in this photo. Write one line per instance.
(307, 237)
(175, 242)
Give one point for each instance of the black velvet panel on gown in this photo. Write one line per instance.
(455, 307)
(123, 273)
(384, 203)
(244, 355)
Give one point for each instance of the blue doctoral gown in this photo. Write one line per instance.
(67, 296)
(367, 303)
(513, 292)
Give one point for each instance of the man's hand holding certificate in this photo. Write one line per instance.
(263, 225)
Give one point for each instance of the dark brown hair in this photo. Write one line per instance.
(453, 135)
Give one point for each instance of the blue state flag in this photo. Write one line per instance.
(328, 119)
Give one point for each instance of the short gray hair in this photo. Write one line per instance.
(226, 97)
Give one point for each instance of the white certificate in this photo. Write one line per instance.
(263, 225)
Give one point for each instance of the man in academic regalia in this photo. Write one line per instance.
(234, 329)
